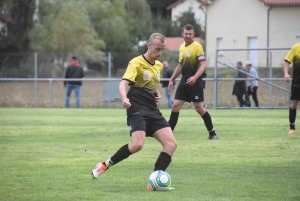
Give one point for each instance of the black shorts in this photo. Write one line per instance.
(190, 93)
(146, 120)
(295, 93)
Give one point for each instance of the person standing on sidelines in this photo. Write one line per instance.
(167, 73)
(293, 56)
(253, 83)
(239, 87)
(192, 66)
(143, 116)
(74, 71)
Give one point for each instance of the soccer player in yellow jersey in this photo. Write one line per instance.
(293, 57)
(143, 116)
(190, 89)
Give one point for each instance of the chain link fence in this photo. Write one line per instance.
(272, 92)
(36, 79)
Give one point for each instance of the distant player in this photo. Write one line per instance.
(293, 57)
(191, 65)
(143, 116)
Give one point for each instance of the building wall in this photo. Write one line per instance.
(237, 20)
(284, 25)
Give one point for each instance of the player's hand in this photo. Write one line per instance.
(126, 103)
(158, 96)
(170, 86)
(191, 80)
(287, 78)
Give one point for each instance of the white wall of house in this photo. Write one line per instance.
(235, 21)
(239, 23)
(284, 25)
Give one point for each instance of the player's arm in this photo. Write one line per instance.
(199, 72)
(122, 89)
(176, 73)
(286, 65)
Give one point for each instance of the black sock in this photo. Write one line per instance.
(173, 119)
(292, 117)
(162, 162)
(208, 123)
(120, 155)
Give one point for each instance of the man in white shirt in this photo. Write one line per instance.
(253, 83)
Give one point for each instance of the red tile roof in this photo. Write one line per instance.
(173, 43)
(281, 2)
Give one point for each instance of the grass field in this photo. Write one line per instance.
(48, 154)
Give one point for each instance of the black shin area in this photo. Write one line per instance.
(121, 154)
(163, 161)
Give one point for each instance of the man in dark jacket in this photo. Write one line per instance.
(239, 87)
(74, 71)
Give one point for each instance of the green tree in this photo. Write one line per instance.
(14, 36)
(66, 28)
(186, 18)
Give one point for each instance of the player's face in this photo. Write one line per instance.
(156, 49)
(188, 36)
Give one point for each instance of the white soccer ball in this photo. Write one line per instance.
(160, 181)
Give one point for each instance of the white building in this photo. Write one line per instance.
(246, 24)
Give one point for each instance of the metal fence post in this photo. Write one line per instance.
(50, 93)
(216, 81)
(109, 65)
(35, 80)
(271, 75)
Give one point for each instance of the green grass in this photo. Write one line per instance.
(48, 154)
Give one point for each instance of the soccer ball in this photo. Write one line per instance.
(160, 181)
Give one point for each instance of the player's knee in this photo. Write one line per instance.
(137, 146)
(172, 145)
(175, 107)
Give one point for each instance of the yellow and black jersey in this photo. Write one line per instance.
(294, 57)
(189, 58)
(143, 78)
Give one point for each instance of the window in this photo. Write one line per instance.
(252, 43)
(220, 45)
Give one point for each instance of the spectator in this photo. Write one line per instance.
(74, 71)
(167, 73)
(253, 83)
(239, 87)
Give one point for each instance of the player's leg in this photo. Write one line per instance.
(177, 104)
(207, 120)
(179, 100)
(292, 116)
(167, 140)
(197, 96)
(137, 132)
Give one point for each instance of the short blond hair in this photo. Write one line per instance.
(157, 36)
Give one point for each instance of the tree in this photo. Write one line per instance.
(14, 36)
(66, 28)
(159, 8)
(186, 18)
